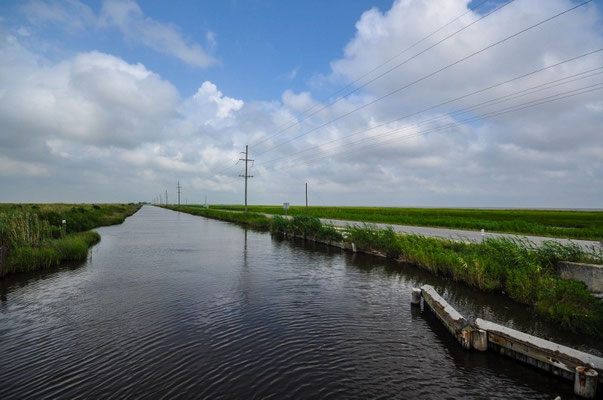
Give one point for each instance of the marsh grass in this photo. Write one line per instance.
(518, 268)
(36, 238)
(51, 253)
(305, 226)
(251, 220)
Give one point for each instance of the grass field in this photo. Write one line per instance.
(36, 237)
(553, 223)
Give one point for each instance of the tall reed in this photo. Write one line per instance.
(18, 229)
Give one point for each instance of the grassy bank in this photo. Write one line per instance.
(519, 269)
(36, 237)
(553, 223)
(250, 220)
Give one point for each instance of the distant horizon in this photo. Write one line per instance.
(329, 205)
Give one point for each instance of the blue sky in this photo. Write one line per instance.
(263, 47)
(115, 100)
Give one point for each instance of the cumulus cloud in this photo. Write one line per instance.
(129, 19)
(94, 99)
(541, 149)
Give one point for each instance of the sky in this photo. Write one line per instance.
(370, 102)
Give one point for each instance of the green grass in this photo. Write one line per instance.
(523, 271)
(552, 223)
(36, 238)
(517, 268)
(73, 247)
(251, 220)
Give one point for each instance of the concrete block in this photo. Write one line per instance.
(452, 320)
(415, 296)
(591, 274)
(479, 339)
(585, 382)
(555, 358)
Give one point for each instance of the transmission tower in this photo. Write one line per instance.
(246, 159)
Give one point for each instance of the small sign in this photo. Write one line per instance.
(286, 206)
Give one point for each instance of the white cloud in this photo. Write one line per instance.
(69, 14)
(129, 19)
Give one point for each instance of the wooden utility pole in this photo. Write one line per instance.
(166, 198)
(246, 159)
(306, 197)
(178, 187)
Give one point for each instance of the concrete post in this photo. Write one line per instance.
(585, 382)
(479, 339)
(354, 247)
(415, 298)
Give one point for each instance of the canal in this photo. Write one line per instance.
(171, 305)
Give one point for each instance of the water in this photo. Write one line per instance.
(171, 305)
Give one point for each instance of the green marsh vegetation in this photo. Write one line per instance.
(36, 237)
(518, 268)
(250, 220)
(553, 223)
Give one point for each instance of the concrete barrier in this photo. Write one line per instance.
(585, 370)
(590, 274)
(555, 358)
(452, 320)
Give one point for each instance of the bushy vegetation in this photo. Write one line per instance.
(553, 223)
(36, 237)
(73, 247)
(523, 271)
(309, 227)
(518, 268)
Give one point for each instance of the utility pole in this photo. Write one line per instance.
(246, 159)
(178, 187)
(306, 197)
(166, 198)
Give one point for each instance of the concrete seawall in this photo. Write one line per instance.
(590, 274)
(585, 370)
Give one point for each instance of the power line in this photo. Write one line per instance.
(383, 64)
(523, 106)
(521, 93)
(424, 77)
(389, 70)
